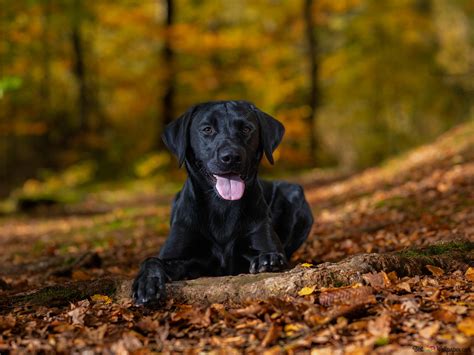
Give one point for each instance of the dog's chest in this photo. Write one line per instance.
(223, 223)
(223, 228)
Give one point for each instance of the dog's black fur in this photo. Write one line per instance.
(209, 235)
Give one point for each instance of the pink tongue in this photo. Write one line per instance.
(230, 187)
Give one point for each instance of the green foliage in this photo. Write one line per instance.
(152, 163)
(9, 83)
(52, 189)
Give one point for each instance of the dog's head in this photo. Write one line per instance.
(224, 142)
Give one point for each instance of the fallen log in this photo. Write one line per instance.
(450, 256)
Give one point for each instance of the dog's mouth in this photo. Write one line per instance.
(229, 186)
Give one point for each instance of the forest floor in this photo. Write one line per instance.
(421, 198)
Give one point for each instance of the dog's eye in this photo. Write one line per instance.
(246, 130)
(208, 130)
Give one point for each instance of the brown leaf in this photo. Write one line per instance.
(470, 274)
(358, 325)
(79, 275)
(392, 276)
(435, 296)
(410, 305)
(271, 335)
(7, 322)
(323, 351)
(78, 312)
(444, 315)
(429, 331)
(378, 281)
(97, 334)
(128, 343)
(276, 350)
(148, 324)
(458, 309)
(405, 286)
(436, 271)
(64, 327)
(346, 295)
(249, 311)
(192, 315)
(380, 327)
(339, 310)
(131, 341)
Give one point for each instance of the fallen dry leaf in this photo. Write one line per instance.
(405, 286)
(410, 306)
(467, 326)
(323, 351)
(436, 271)
(378, 281)
(380, 327)
(101, 298)
(470, 274)
(77, 313)
(429, 331)
(249, 311)
(7, 322)
(305, 291)
(271, 335)
(346, 295)
(392, 276)
(148, 324)
(292, 328)
(79, 275)
(444, 315)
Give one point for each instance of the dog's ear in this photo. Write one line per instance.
(176, 136)
(271, 133)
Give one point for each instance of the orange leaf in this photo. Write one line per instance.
(470, 274)
(436, 271)
(467, 326)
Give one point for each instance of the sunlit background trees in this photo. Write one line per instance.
(354, 81)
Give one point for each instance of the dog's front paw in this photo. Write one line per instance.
(149, 285)
(268, 262)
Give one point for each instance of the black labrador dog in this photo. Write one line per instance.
(225, 221)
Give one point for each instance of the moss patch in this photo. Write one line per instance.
(438, 249)
(60, 295)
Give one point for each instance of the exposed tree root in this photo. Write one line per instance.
(450, 256)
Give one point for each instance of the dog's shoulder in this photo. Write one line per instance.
(290, 191)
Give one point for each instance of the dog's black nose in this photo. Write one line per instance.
(230, 156)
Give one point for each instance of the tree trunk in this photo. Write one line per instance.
(45, 92)
(79, 68)
(450, 256)
(313, 96)
(167, 113)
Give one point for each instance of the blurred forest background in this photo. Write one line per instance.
(91, 84)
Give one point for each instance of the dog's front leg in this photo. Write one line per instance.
(267, 252)
(184, 256)
(149, 285)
